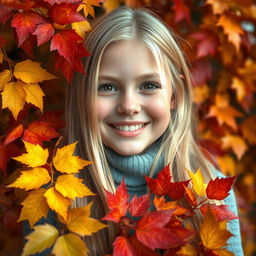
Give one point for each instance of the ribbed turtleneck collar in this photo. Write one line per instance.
(134, 168)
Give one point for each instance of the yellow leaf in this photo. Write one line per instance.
(40, 239)
(232, 29)
(13, 97)
(198, 182)
(200, 93)
(110, 5)
(34, 95)
(81, 27)
(57, 202)
(34, 207)
(31, 72)
(227, 165)
(212, 236)
(35, 156)
(87, 6)
(78, 221)
(1, 56)
(187, 250)
(5, 77)
(32, 179)
(64, 161)
(240, 87)
(218, 6)
(71, 187)
(235, 142)
(70, 245)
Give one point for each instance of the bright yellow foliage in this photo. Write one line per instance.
(65, 162)
(87, 7)
(35, 156)
(71, 187)
(81, 27)
(199, 185)
(42, 238)
(69, 245)
(5, 77)
(32, 179)
(187, 250)
(110, 5)
(31, 72)
(57, 202)
(34, 207)
(13, 98)
(78, 221)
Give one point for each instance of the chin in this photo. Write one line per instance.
(128, 151)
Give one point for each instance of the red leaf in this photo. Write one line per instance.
(5, 13)
(177, 189)
(201, 72)
(52, 2)
(219, 188)
(25, 24)
(151, 231)
(221, 212)
(28, 45)
(117, 203)
(65, 13)
(139, 205)
(161, 185)
(181, 11)
(44, 33)
(122, 247)
(54, 118)
(190, 196)
(14, 134)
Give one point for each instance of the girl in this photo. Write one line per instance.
(132, 113)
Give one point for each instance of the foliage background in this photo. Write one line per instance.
(219, 39)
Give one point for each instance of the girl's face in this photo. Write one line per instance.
(133, 103)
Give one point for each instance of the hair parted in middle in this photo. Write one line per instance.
(178, 145)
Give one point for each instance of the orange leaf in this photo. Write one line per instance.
(123, 247)
(14, 134)
(248, 127)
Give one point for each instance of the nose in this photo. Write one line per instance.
(128, 105)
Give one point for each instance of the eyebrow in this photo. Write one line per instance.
(141, 77)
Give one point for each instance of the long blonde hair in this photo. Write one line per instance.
(179, 144)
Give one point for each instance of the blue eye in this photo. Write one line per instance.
(149, 86)
(106, 88)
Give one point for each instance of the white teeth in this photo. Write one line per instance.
(128, 128)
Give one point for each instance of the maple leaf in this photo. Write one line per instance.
(177, 189)
(14, 134)
(221, 212)
(31, 72)
(5, 77)
(70, 245)
(65, 162)
(240, 87)
(151, 232)
(79, 221)
(65, 13)
(122, 247)
(227, 164)
(71, 187)
(44, 33)
(81, 27)
(28, 45)
(181, 11)
(212, 236)
(13, 98)
(32, 179)
(219, 188)
(201, 72)
(40, 239)
(57, 202)
(232, 29)
(218, 6)
(117, 203)
(87, 7)
(25, 24)
(65, 67)
(35, 156)
(199, 185)
(248, 128)
(34, 207)
(235, 142)
(160, 185)
(139, 205)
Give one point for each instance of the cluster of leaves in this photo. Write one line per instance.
(167, 226)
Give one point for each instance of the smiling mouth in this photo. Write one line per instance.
(128, 128)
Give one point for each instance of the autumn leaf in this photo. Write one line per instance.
(213, 237)
(219, 188)
(187, 250)
(139, 205)
(117, 203)
(70, 245)
(161, 185)
(151, 232)
(71, 187)
(5, 13)
(110, 5)
(57, 202)
(5, 78)
(227, 164)
(32, 179)
(240, 87)
(81, 27)
(199, 185)
(248, 128)
(190, 196)
(25, 24)
(87, 6)
(177, 189)
(201, 72)
(34, 207)
(40, 239)
(218, 6)
(79, 221)
(65, 162)
(123, 247)
(14, 134)
(44, 33)
(35, 156)
(181, 11)
(31, 72)
(13, 98)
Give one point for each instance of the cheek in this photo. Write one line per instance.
(159, 110)
(104, 108)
